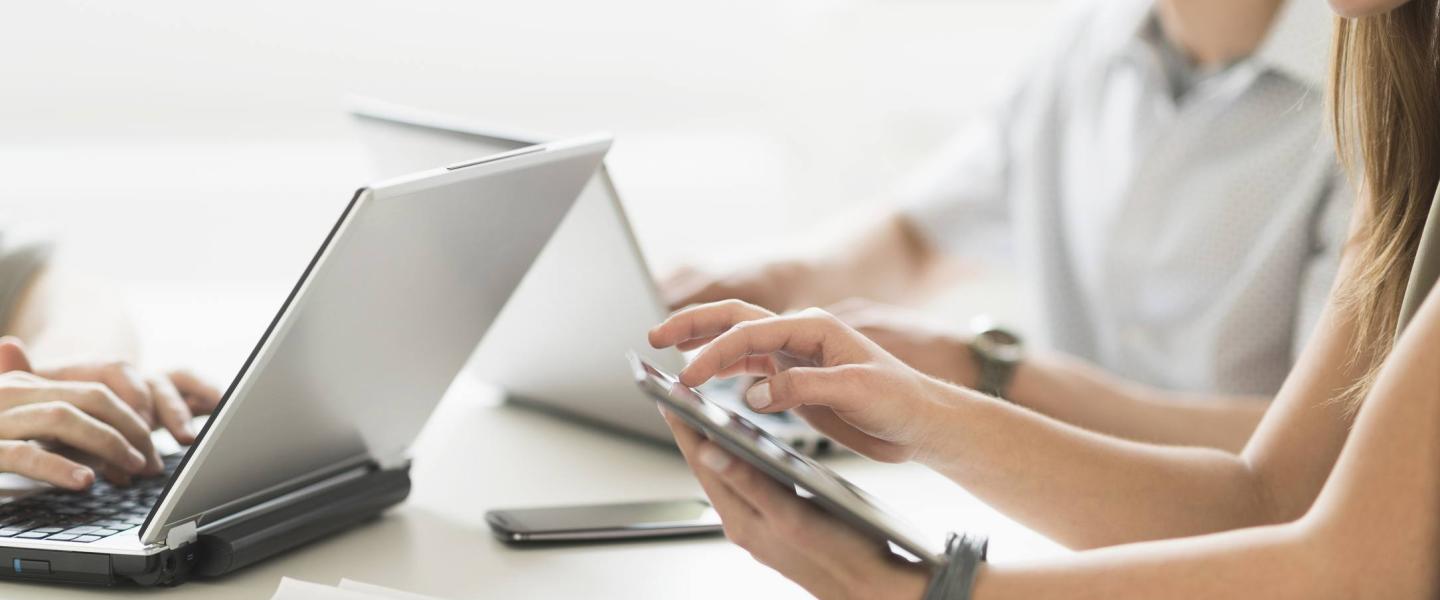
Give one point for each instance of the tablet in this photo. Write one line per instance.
(814, 481)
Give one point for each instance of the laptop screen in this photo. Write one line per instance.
(402, 141)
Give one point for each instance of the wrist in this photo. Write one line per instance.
(910, 584)
(893, 580)
(1031, 376)
(996, 353)
(963, 369)
(944, 422)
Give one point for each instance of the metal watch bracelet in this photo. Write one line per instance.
(956, 579)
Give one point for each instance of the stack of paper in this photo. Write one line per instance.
(295, 589)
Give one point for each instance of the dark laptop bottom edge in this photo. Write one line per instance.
(223, 550)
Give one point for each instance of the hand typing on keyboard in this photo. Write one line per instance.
(167, 400)
(94, 514)
(91, 409)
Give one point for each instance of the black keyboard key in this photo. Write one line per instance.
(103, 507)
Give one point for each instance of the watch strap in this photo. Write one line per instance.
(956, 579)
(993, 375)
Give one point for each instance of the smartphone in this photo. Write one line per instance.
(596, 522)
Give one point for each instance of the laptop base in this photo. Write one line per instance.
(223, 550)
(90, 568)
(309, 519)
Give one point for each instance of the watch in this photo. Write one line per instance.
(997, 353)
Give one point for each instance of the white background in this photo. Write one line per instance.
(194, 153)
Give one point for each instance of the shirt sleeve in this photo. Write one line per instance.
(958, 200)
(19, 264)
(1329, 232)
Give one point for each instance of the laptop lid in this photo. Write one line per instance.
(593, 260)
(399, 293)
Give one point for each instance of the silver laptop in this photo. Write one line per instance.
(311, 436)
(560, 344)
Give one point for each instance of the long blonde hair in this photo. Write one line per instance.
(1385, 99)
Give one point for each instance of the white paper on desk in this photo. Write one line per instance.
(295, 589)
(380, 592)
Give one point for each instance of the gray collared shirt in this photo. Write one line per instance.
(1184, 236)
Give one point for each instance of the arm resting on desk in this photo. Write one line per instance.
(1080, 394)
(1373, 532)
(1087, 490)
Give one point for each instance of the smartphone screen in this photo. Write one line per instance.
(605, 521)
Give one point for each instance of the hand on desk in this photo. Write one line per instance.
(842, 383)
(786, 533)
(104, 410)
(771, 286)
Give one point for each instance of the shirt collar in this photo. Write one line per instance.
(1298, 44)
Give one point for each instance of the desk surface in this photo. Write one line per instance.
(476, 454)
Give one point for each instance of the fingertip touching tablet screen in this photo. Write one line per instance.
(824, 487)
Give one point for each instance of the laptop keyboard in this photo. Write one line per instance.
(94, 514)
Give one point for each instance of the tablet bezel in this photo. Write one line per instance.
(825, 487)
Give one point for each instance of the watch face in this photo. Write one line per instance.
(1000, 337)
(999, 344)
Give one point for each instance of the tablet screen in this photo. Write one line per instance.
(780, 461)
(739, 425)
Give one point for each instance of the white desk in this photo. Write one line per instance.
(475, 455)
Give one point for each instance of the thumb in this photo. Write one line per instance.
(834, 387)
(12, 355)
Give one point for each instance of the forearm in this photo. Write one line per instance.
(1085, 489)
(1373, 531)
(1079, 394)
(1350, 553)
(1273, 562)
(888, 261)
(59, 318)
(1380, 508)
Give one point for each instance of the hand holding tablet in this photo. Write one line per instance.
(823, 487)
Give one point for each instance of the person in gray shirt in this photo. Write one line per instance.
(1161, 181)
(100, 405)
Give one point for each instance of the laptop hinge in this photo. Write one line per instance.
(288, 498)
(397, 461)
(181, 534)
